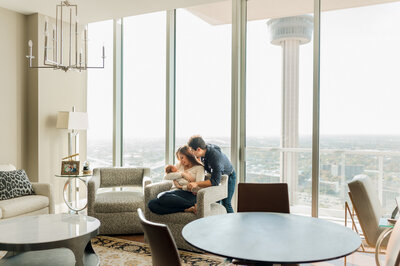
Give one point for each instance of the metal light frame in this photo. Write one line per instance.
(57, 45)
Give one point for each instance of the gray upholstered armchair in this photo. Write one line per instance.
(206, 206)
(117, 210)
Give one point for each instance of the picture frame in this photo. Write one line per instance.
(70, 168)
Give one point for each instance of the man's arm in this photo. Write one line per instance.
(216, 166)
(216, 174)
(202, 184)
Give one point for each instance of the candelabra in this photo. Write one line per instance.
(58, 42)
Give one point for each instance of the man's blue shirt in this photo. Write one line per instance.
(216, 163)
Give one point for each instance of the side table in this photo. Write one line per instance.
(68, 186)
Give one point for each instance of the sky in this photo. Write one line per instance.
(359, 76)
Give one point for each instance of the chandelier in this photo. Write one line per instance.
(75, 60)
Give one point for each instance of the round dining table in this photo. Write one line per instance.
(269, 238)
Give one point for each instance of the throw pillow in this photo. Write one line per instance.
(14, 184)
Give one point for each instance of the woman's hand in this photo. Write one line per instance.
(177, 184)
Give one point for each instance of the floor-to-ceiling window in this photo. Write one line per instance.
(360, 125)
(100, 95)
(359, 132)
(144, 57)
(203, 74)
(279, 99)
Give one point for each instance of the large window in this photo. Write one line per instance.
(279, 100)
(100, 95)
(360, 125)
(359, 128)
(203, 75)
(144, 57)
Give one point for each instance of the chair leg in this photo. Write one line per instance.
(353, 223)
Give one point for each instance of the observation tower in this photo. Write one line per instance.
(290, 33)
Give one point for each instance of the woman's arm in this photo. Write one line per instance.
(188, 176)
(177, 184)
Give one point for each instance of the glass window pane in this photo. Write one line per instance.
(144, 92)
(360, 128)
(279, 98)
(203, 74)
(100, 95)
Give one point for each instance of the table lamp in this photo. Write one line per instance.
(73, 121)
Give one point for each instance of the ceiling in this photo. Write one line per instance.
(97, 10)
(213, 11)
(220, 12)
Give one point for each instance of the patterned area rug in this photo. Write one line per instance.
(115, 251)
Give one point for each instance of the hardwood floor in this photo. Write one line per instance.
(355, 259)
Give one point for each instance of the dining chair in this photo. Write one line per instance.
(263, 197)
(393, 248)
(162, 245)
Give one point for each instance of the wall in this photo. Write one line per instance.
(56, 91)
(30, 100)
(13, 82)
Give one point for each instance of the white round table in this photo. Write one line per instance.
(50, 231)
(271, 237)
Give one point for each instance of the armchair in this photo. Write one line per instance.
(367, 207)
(206, 206)
(117, 210)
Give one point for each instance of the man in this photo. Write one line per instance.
(216, 163)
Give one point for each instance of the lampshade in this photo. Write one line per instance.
(72, 120)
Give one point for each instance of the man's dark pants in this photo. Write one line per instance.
(231, 189)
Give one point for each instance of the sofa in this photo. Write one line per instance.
(42, 202)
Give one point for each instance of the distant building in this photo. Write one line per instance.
(326, 167)
(350, 170)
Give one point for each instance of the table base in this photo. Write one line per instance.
(84, 255)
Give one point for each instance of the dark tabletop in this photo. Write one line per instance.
(271, 237)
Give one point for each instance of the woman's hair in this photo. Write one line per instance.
(185, 151)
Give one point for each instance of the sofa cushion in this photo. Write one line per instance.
(7, 167)
(14, 184)
(18, 206)
(118, 201)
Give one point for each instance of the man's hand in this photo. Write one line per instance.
(192, 185)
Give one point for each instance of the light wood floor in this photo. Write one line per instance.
(355, 259)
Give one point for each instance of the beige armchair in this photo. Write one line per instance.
(207, 205)
(117, 210)
(42, 202)
(367, 206)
